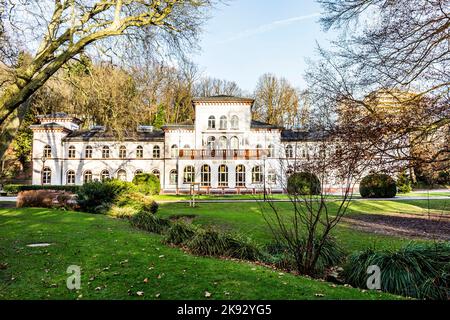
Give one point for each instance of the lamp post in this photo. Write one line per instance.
(43, 159)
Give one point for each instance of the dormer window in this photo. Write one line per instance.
(223, 123)
(234, 122)
(211, 122)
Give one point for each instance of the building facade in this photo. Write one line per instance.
(223, 150)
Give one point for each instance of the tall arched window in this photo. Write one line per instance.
(174, 151)
(223, 123)
(173, 177)
(71, 154)
(234, 143)
(139, 152)
(289, 151)
(271, 151)
(211, 122)
(211, 143)
(46, 176)
(122, 152)
(257, 174)
(104, 175)
(189, 174)
(87, 176)
(206, 176)
(223, 176)
(156, 152)
(88, 152)
(271, 177)
(240, 176)
(156, 173)
(234, 122)
(223, 143)
(105, 152)
(47, 151)
(122, 175)
(70, 177)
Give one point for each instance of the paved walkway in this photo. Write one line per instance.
(399, 198)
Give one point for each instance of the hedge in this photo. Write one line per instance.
(16, 188)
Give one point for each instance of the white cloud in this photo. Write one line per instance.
(268, 27)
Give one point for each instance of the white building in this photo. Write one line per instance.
(224, 150)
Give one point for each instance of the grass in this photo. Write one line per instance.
(246, 218)
(117, 261)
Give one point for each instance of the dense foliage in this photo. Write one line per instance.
(416, 270)
(16, 188)
(147, 183)
(377, 185)
(404, 183)
(303, 183)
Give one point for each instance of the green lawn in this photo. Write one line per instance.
(115, 259)
(246, 218)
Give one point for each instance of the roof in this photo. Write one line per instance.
(59, 115)
(187, 125)
(50, 125)
(263, 125)
(95, 135)
(222, 98)
(301, 135)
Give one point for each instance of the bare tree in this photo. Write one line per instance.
(62, 29)
(207, 87)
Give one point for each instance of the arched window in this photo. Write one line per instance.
(289, 151)
(174, 151)
(304, 152)
(223, 176)
(189, 174)
(234, 143)
(70, 177)
(139, 171)
(122, 152)
(223, 123)
(211, 122)
(206, 176)
(71, 154)
(104, 175)
(211, 143)
(156, 152)
(173, 177)
(271, 151)
(47, 151)
(223, 143)
(105, 152)
(139, 152)
(271, 177)
(46, 176)
(122, 175)
(156, 173)
(289, 172)
(257, 175)
(88, 152)
(240, 176)
(87, 176)
(234, 122)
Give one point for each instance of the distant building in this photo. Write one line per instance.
(223, 150)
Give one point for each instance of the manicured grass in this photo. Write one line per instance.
(115, 259)
(246, 218)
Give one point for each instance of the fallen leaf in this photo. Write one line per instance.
(207, 294)
(140, 293)
(98, 288)
(145, 280)
(157, 295)
(161, 256)
(319, 295)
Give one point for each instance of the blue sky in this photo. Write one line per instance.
(247, 38)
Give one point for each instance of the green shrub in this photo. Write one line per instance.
(303, 183)
(146, 221)
(377, 185)
(153, 207)
(179, 233)
(16, 188)
(99, 196)
(122, 212)
(208, 243)
(147, 183)
(404, 183)
(277, 254)
(241, 247)
(416, 270)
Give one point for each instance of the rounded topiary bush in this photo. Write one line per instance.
(147, 183)
(377, 185)
(303, 183)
